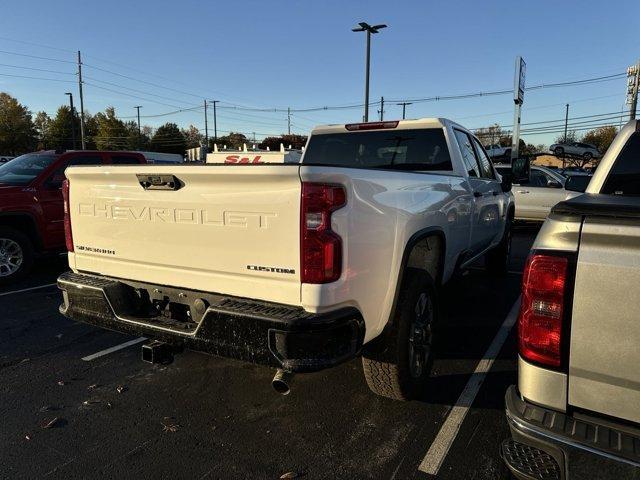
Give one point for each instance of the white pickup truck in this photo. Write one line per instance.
(299, 266)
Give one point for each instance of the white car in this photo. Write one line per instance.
(295, 266)
(575, 149)
(535, 197)
(496, 151)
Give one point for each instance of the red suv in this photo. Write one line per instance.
(31, 204)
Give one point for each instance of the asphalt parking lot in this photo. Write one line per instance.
(111, 415)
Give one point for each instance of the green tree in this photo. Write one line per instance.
(232, 141)
(168, 139)
(59, 133)
(112, 132)
(135, 140)
(601, 137)
(17, 133)
(90, 131)
(42, 123)
(296, 141)
(572, 136)
(490, 135)
(193, 137)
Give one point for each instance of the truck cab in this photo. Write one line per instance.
(32, 208)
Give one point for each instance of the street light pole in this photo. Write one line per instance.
(138, 107)
(365, 27)
(73, 119)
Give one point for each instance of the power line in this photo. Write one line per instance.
(132, 89)
(36, 69)
(129, 95)
(37, 57)
(37, 78)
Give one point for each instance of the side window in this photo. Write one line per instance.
(468, 155)
(486, 169)
(124, 160)
(537, 179)
(57, 177)
(624, 177)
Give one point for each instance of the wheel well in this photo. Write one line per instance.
(24, 224)
(428, 254)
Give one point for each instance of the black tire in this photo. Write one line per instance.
(558, 151)
(388, 366)
(10, 269)
(497, 260)
(587, 156)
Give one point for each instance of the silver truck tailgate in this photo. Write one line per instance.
(604, 355)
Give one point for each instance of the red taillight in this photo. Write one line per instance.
(371, 125)
(68, 237)
(542, 309)
(320, 248)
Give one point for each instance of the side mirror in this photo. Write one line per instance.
(506, 183)
(577, 183)
(520, 170)
(554, 184)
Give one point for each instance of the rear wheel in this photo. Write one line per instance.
(497, 260)
(399, 368)
(16, 255)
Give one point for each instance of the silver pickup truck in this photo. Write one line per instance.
(575, 412)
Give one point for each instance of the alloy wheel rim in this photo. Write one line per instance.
(11, 257)
(420, 336)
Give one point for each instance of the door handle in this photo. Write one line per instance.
(477, 194)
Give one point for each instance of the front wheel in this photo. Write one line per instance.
(16, 255)
(399, 367)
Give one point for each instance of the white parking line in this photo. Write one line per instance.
(107, 351)
(27, 289)
(432, 461)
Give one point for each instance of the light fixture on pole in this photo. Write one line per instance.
(365, 27)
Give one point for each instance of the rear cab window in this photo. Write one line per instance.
(401, 149)
(624, 176)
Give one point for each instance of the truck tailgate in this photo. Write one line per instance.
(227, 229)
(604, 352)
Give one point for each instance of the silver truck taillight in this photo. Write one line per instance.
(540, 324)
(68, 236)
(320, 247)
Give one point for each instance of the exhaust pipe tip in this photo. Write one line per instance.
(281, 382)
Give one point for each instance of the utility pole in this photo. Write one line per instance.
(566, 121)
(138, 107)
(365, 27)
(289, 120)
(404, 106)
(82, 141)
(215, 121)
(206, 125)
(73, 119)
(633, 84)
(381, 108)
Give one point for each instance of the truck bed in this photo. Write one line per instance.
(600, 205)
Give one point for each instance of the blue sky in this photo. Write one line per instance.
(303, 54)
